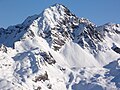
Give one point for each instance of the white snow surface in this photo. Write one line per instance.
(78, 57)
(56, 50)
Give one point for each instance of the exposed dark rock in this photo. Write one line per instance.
(3, 48)
(38, 88)
(48, 58)
(49, 86)
(117, 50)
(41, 77)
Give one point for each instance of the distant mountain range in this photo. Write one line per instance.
(56, 50)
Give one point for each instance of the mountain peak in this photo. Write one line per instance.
(53, 14)
(56, 50)
(57, 20)
(57, 5)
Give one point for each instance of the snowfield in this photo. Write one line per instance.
(56, 50)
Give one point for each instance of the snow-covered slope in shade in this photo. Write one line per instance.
(56, 50)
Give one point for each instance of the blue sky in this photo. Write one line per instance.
(98, 11)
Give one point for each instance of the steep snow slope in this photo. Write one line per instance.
(77, 57)
(92, 39)
(56, 50)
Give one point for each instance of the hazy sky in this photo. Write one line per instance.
(98, 11)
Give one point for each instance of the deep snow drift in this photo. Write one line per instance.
(56, 50)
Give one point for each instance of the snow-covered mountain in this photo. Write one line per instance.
(57, 50)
